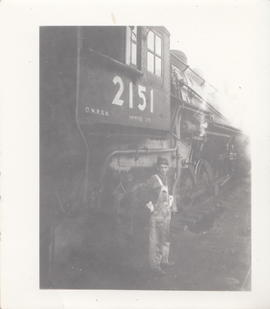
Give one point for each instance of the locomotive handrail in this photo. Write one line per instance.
(77, 109)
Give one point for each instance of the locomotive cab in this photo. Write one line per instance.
(124, 77)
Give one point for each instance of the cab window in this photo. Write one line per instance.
(154, 53)
(132, 46)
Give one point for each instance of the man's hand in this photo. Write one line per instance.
(171, 200)
(150, 206)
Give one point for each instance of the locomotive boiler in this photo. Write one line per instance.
(113, 99)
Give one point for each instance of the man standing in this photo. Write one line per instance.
(161, 206)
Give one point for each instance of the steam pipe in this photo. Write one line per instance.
(127, 152)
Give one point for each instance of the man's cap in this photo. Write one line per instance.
(162, 161)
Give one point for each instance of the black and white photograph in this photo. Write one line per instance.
(135, 154)
(144, 183)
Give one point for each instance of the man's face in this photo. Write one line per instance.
(163, 169)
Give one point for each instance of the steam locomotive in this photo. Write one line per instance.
(112, 100)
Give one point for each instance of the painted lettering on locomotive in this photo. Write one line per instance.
(121, 89)
(113, 99)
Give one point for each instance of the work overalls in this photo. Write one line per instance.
(159, 245)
